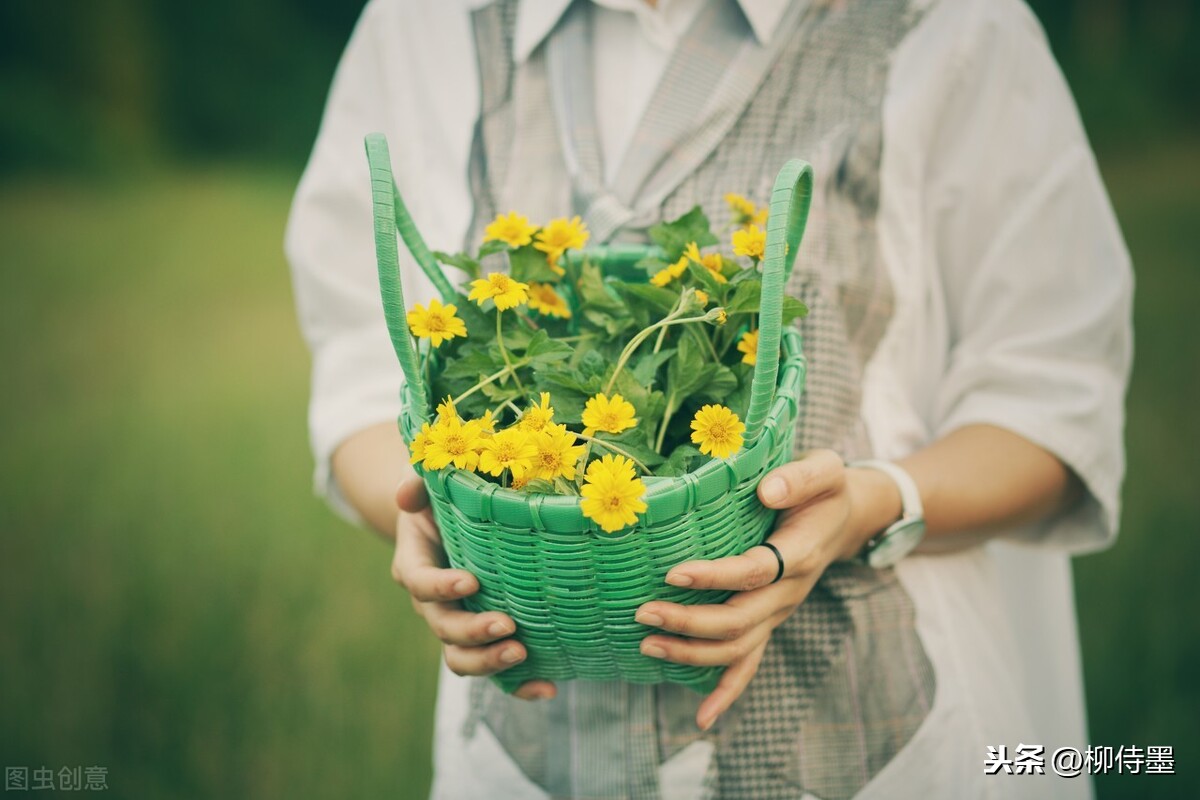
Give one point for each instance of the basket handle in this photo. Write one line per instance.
(790, 200)
(390, 216)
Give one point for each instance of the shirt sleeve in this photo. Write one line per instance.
(356, 378)
(1036, 277)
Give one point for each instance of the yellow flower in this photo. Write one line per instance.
(559, 236)
(702, 297)
(436, 324)
(718, 431)
(513, 229)
(750, 242)
(518, 483)
(557, 453)
(722, 317)
(744, 211)
(544, 300)
(611, 416)
(710, 261)
(452, 441)
(487, 422)
(612, 493)
(499, 287)
(539, 416)
(668, 274)
(446, 409)
(417, 446)
(512, 449)
(748, 347)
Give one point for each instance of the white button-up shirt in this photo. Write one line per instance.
(1012, 287)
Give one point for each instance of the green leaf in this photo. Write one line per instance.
(460, 260)
(480, 325)
(494, 246)
(746, 298)
(657, 298)
(474, 362)
(635, 442)
(793, 309)
(674, 236)
(702, 276)
(543, 350)
(529, 264)
(646, 366)
(538, 486)
(679, 462)
(686, 372)
(594, 293)
(719, 384)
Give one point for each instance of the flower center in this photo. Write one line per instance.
(718, 432)
(614, 502)
(550, 459)
(456, 444)
(609, 420)
(435, 323)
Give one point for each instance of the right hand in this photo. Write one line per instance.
(473, 644)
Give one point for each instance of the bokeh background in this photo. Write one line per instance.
(176, 605)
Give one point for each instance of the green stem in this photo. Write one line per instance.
(636, 342)
(705, 341)
(662, 430)
(618, 450)
(495, 376)
(504, 350)
(662, 334)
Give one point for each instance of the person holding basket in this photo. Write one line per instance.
(967, 346)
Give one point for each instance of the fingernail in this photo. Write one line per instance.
(499, 629)
(773, 490)
(462, 586)
(545, 694)
(510, 655)
(675, 579)
(653, 650)
(647, 618)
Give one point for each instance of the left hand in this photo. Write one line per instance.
(829, 512)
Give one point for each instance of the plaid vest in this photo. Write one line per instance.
(845, 681)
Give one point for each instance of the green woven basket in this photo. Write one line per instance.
(571, 589)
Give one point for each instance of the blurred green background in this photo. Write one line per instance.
(177, 607)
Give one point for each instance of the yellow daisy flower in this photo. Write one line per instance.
(437, 323)
(608, 415)
(710, 261)
(722, 317)
(750, 241)
(501, 288)
(670, 273)
(513, 229)
(512, 449)
(446, 409)
(487, 422)
(557, 453)
(452, 441)
(544, 300)
(538, 416)
(702, 297)
(744, 211)
(416, 448)
(561, 235)
(748, 347)
(718, 431)
(612, 493)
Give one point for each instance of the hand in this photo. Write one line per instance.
(473, 644)
(829, 512)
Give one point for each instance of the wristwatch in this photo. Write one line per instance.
(898, 539)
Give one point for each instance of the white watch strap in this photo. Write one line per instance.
(910, 496)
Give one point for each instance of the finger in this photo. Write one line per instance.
(486, 660)
(536, 690)
(453, 625)
(725, 621)
(417, 565)
(733, 682)
(753, 569)
(798, 482)
(702, 652)
(411, 495)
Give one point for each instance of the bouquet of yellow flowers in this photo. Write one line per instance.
(558, 378)
(585, 418)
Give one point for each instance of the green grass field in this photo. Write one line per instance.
(178, 608)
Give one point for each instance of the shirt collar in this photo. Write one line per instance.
(536, 18)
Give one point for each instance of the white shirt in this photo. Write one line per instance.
(1013, 291)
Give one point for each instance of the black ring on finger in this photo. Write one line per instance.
(778, 557)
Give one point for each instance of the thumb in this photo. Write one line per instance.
(798, 482)
(411, 495)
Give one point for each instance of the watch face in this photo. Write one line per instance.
(896, 543)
